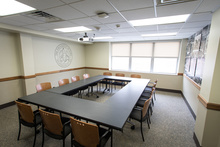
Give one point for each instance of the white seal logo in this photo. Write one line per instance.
(63, 55)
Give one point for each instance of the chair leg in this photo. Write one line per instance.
(42, 135)
(64, 142)
(35, 134)
(154, 96)
(142, 131)
(19, 132)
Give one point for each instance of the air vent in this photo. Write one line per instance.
(170, 2)
(43, 16)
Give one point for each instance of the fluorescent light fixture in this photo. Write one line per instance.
(8, 7)
(159, 34)
(73, 29)
(160, 20)
(99, 38)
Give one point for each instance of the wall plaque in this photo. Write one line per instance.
(63, 55)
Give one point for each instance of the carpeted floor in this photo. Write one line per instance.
(172, 125)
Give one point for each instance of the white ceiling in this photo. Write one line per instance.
(84, 13)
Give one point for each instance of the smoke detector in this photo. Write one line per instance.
(103, 15)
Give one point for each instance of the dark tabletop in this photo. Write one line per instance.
(112, 113)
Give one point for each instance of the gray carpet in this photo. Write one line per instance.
(172, 125)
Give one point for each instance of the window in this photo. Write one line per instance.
(155, 57)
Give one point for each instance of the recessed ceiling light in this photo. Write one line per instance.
(159, 34)
(160, 20)
(99, 38)
(73, 29)
(9, 7)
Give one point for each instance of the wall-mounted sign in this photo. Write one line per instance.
(63, 55)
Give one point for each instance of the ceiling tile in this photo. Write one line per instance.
(196, 24)
(171, 26)
(42, 4)
(122, 25)
(200, 17)
(177, 9)
(207, 6)
(146, 28)
(23, 19)
(114, 17)
(92, 7)
(139, 14)
(85, 21)
(131, 4)
(11, 22)
(65, 12)
(35, 27)
(71, 1)
(63, 24)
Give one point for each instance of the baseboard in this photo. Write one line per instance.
(185, 100)
(7, 105)
(196, 140)
(169, 90)
(189, 107)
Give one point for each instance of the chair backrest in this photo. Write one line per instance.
(43, 86)
(85, 76)
(146, 106)
(107, 74)
(84, 133)
(63, 82)
(135, 76)
(52, 122)
(120, 74)
(25, 112)
(75, 78)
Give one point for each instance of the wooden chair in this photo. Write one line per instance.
(150, 86)
(142, 99)
(106, 82)
(55, 126)
(135, 76)
(28, 118)
(43, 86)
(140, 115)
(75, 78)
(86, 76)
(88, 135)
(63, 82)
(119, 83)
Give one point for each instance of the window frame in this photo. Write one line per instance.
(152, 57)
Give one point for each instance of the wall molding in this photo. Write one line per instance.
(180, 74)
(211, 106)
(196, 140)
(7, 105)
(38, 74)
(193, 82)
(96, 68)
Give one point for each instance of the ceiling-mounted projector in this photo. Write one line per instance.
(86, 38)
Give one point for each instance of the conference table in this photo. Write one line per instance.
(113, 113)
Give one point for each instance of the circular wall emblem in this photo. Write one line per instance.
(63, 55)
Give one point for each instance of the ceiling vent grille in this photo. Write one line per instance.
(43, 16)
(170, 2)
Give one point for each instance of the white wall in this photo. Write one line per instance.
(97, 55)
(10, 67)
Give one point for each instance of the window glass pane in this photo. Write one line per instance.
(142, 49)
(165, 65)
(120, 49)
(141, 64)
(120, 63)
(166, 49)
